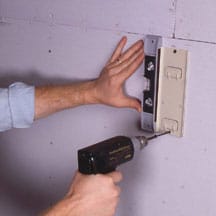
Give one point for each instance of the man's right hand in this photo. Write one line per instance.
(92, 195)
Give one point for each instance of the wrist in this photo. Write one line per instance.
(68, 206)
(90, 93)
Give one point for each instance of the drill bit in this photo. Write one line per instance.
(157, 135)
(143, 140)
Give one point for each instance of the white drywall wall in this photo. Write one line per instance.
(173, 176)
(195, 20)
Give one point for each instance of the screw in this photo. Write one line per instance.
(149, 102)
(150, 66)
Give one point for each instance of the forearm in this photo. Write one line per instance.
(51, 99)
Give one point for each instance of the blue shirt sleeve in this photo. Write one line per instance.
(16, 106)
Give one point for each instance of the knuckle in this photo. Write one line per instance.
(110, 71)
(109, 180)
(116, 201)
(116, 191)
(106, 180)
(101, 177)
(120, 176)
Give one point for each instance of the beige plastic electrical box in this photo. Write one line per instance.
(169, 107)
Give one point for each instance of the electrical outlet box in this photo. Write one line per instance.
(164, 94)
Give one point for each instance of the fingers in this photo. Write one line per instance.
(132, 103)
(117, 53)
(120, 67)
(116, 176)
(133, 49)
(130, 69)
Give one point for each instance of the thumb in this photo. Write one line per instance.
(133, 103)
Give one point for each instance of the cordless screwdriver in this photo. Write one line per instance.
(105, 156)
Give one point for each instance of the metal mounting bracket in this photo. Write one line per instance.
(152, 44)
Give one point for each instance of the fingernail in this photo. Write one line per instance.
(124, 37)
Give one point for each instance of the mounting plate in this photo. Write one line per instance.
(171, 91)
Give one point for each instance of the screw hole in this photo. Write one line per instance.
(174, 51)
(50, 51)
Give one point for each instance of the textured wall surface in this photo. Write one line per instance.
(53, 41)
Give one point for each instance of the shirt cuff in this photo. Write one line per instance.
(21, 103)
(5, 114)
